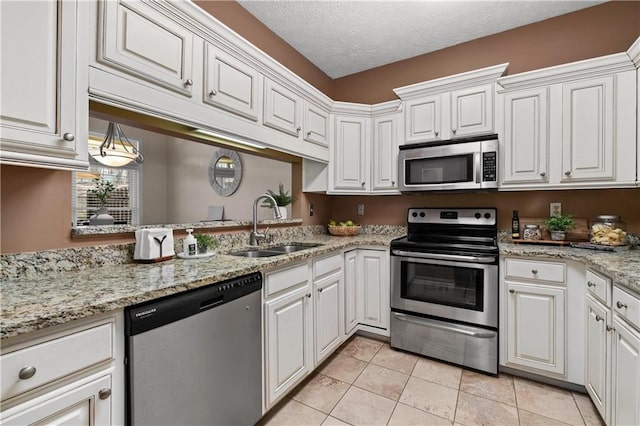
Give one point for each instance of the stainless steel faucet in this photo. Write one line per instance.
(256, 237)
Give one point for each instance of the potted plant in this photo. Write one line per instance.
(102, 191)
(559, 225)
(282, 198)
(205, 243)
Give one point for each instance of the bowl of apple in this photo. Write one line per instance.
(343, 229)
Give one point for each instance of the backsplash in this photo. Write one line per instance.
(72, 259)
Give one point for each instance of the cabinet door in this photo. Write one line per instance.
(230, 84)
(526, 136)
(139, 40)
(373, 279)
(282, 109)
(423, 118)
(588, 130)
(598, 355)
(86, 404)
(625, 409)
(385, 153)
(38, 116)
(472, 111)
(350, 291)
(289, 334)
(316, 124)
(349, 156)
(536, 327)
(328, 330)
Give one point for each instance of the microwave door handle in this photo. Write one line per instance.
(438, 256)
(477, 166)
(445, 327)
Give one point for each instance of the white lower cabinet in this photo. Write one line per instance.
(350, 293)
(71, 374)
(598, 355)
(625, 409)
(328, 308)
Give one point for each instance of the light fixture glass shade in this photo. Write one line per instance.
(116, 150)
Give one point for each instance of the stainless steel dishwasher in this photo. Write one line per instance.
(194, 358)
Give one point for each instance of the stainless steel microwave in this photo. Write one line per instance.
(451, 165)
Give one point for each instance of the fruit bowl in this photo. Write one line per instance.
(343, 231)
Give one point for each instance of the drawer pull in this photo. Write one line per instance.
(320, 290)
(609, 328)
(590, 284)
(188, 82)
(104, 393)
(27, 373)
(512, 291)
(534, 271)
(621, 305)
(309, 295)
(69, 137)
(599, 318)
(213, 92)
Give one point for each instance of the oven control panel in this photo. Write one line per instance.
(458, 216)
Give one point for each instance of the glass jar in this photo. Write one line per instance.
(609, 230)
(532, 232)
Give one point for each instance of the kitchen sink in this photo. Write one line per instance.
(274, 251)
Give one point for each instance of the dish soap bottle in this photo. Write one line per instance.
(515, 226)
(189, 244)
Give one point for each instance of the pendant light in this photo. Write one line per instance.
(116, 150)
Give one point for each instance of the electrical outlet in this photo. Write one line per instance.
(310, 209)
(360, 209)
(555, 209)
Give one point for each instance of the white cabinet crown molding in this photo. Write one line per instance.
(351, 108)
(454, 82)
(589, 68)
(634, 52)
(388, 107)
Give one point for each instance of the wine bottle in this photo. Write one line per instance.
(515, 226)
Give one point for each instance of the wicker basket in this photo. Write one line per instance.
(344, 231)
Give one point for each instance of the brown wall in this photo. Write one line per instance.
(35, 212)
(596, 31)
(392, 210)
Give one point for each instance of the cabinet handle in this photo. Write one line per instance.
(590, 284)
(362, 184)
(568, 173)
(609, 328)
(454, 131)
(534, 271)
(104, 393)
(188, 82)
(393, 183)
(437, 133)
(308, 134)
(599, 318)
(27, 373)
(512, 291)
(68, 137)
(298, 129)
(621, 305)
(213, 92)
(309, 295)
(543, 174)
(320, 290)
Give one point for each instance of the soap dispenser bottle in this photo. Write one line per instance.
(189, 245)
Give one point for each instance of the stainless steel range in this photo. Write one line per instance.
(444, 286)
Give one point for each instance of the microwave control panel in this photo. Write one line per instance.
(489, 164)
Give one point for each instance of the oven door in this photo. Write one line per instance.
(460, 288)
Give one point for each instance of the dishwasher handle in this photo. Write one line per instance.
(156, 313)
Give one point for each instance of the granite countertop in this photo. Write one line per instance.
(34, 303)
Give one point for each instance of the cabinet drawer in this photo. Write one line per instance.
(536, 270)
(627, 306)
(55, 358)
(286, 278)
(327, 265)
(599, 286)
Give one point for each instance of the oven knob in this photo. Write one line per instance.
(487, 215)
(414, 214)
(477, 215)
(421, 214)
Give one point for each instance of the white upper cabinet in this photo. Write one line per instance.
(282, 109)
(230, 84)
(139, 40)
(316, 124)
(349, 154)
(525, 136)
(44, 104)
(569, 126)
(472, 111)
(456, 106)
(384, 151)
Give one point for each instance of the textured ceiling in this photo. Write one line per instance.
(345, 37)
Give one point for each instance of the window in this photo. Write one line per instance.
(124, 202)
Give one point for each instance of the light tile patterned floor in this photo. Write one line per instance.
(367, 383)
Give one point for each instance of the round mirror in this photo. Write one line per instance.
(225, 172)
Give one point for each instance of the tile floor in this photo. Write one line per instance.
(367, 383)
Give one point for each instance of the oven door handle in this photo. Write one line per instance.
(439, 256)
(447, 327)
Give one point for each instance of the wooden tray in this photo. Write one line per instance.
(579, 233)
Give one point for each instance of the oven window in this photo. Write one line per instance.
(444, 285)
(450, 169)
